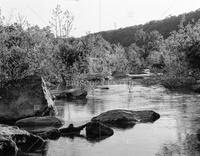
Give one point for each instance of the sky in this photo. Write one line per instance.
(98, 15)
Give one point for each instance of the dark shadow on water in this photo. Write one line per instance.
(92, 140)
(72, 136)
(181, 91)
(80, 101)
(190, 146)
(42, 151)
(77, 101)
(97, 140)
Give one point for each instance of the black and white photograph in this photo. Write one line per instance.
(99, 77)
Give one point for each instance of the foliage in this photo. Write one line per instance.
(119, 61)
(134, 55)
(126, 36)
(14, 64)
(25, 51)
(181, 55)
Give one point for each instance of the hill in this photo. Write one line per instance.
(125, 36)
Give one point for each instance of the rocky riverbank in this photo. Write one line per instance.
(25, 98)
(29, 105)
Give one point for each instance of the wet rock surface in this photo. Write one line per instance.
(53, 134)
(97, 130)
(24, 98)
(16, 139)
(71, 94)
(7, 146)
(121, 117)
(40, 121)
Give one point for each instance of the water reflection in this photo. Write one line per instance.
(187, 147)
(180, 117)
(40, 152)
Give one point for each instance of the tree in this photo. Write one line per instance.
(21, 21)
(119, 60)
(61, 22)
(2, 19)
(149, 41)
(134, 55)
(67, 23)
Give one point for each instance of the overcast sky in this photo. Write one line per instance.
(95, 15)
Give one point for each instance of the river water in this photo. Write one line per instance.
(168, 136)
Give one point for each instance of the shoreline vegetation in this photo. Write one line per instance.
(32, 50)
(76, 65)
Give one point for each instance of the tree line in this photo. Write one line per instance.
(50, 52)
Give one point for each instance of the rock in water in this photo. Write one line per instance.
(71, 130)
(14, 138)
(118, 74)
(7, 147)
(121, 117)
(72, 94)
(40, 121)
(97, 130)
(25, 98)
(53, 134)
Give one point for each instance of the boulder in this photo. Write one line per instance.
(121, 117)
(7, 146)
(97, 130)
(53, 134)
(118, 75)
(69, 131)
(72, 94)
(17, 139)
(25, 98)
(40, 121)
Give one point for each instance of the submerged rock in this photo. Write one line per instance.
(15, 138)
(40, 121)
(69, 131)
(25, 98)
(97, 130)
(121, 117)
(72, 94)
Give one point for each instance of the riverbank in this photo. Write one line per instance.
(186, 84)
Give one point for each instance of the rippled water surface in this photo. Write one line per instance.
(180, 116)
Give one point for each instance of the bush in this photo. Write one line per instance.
(14, 64)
